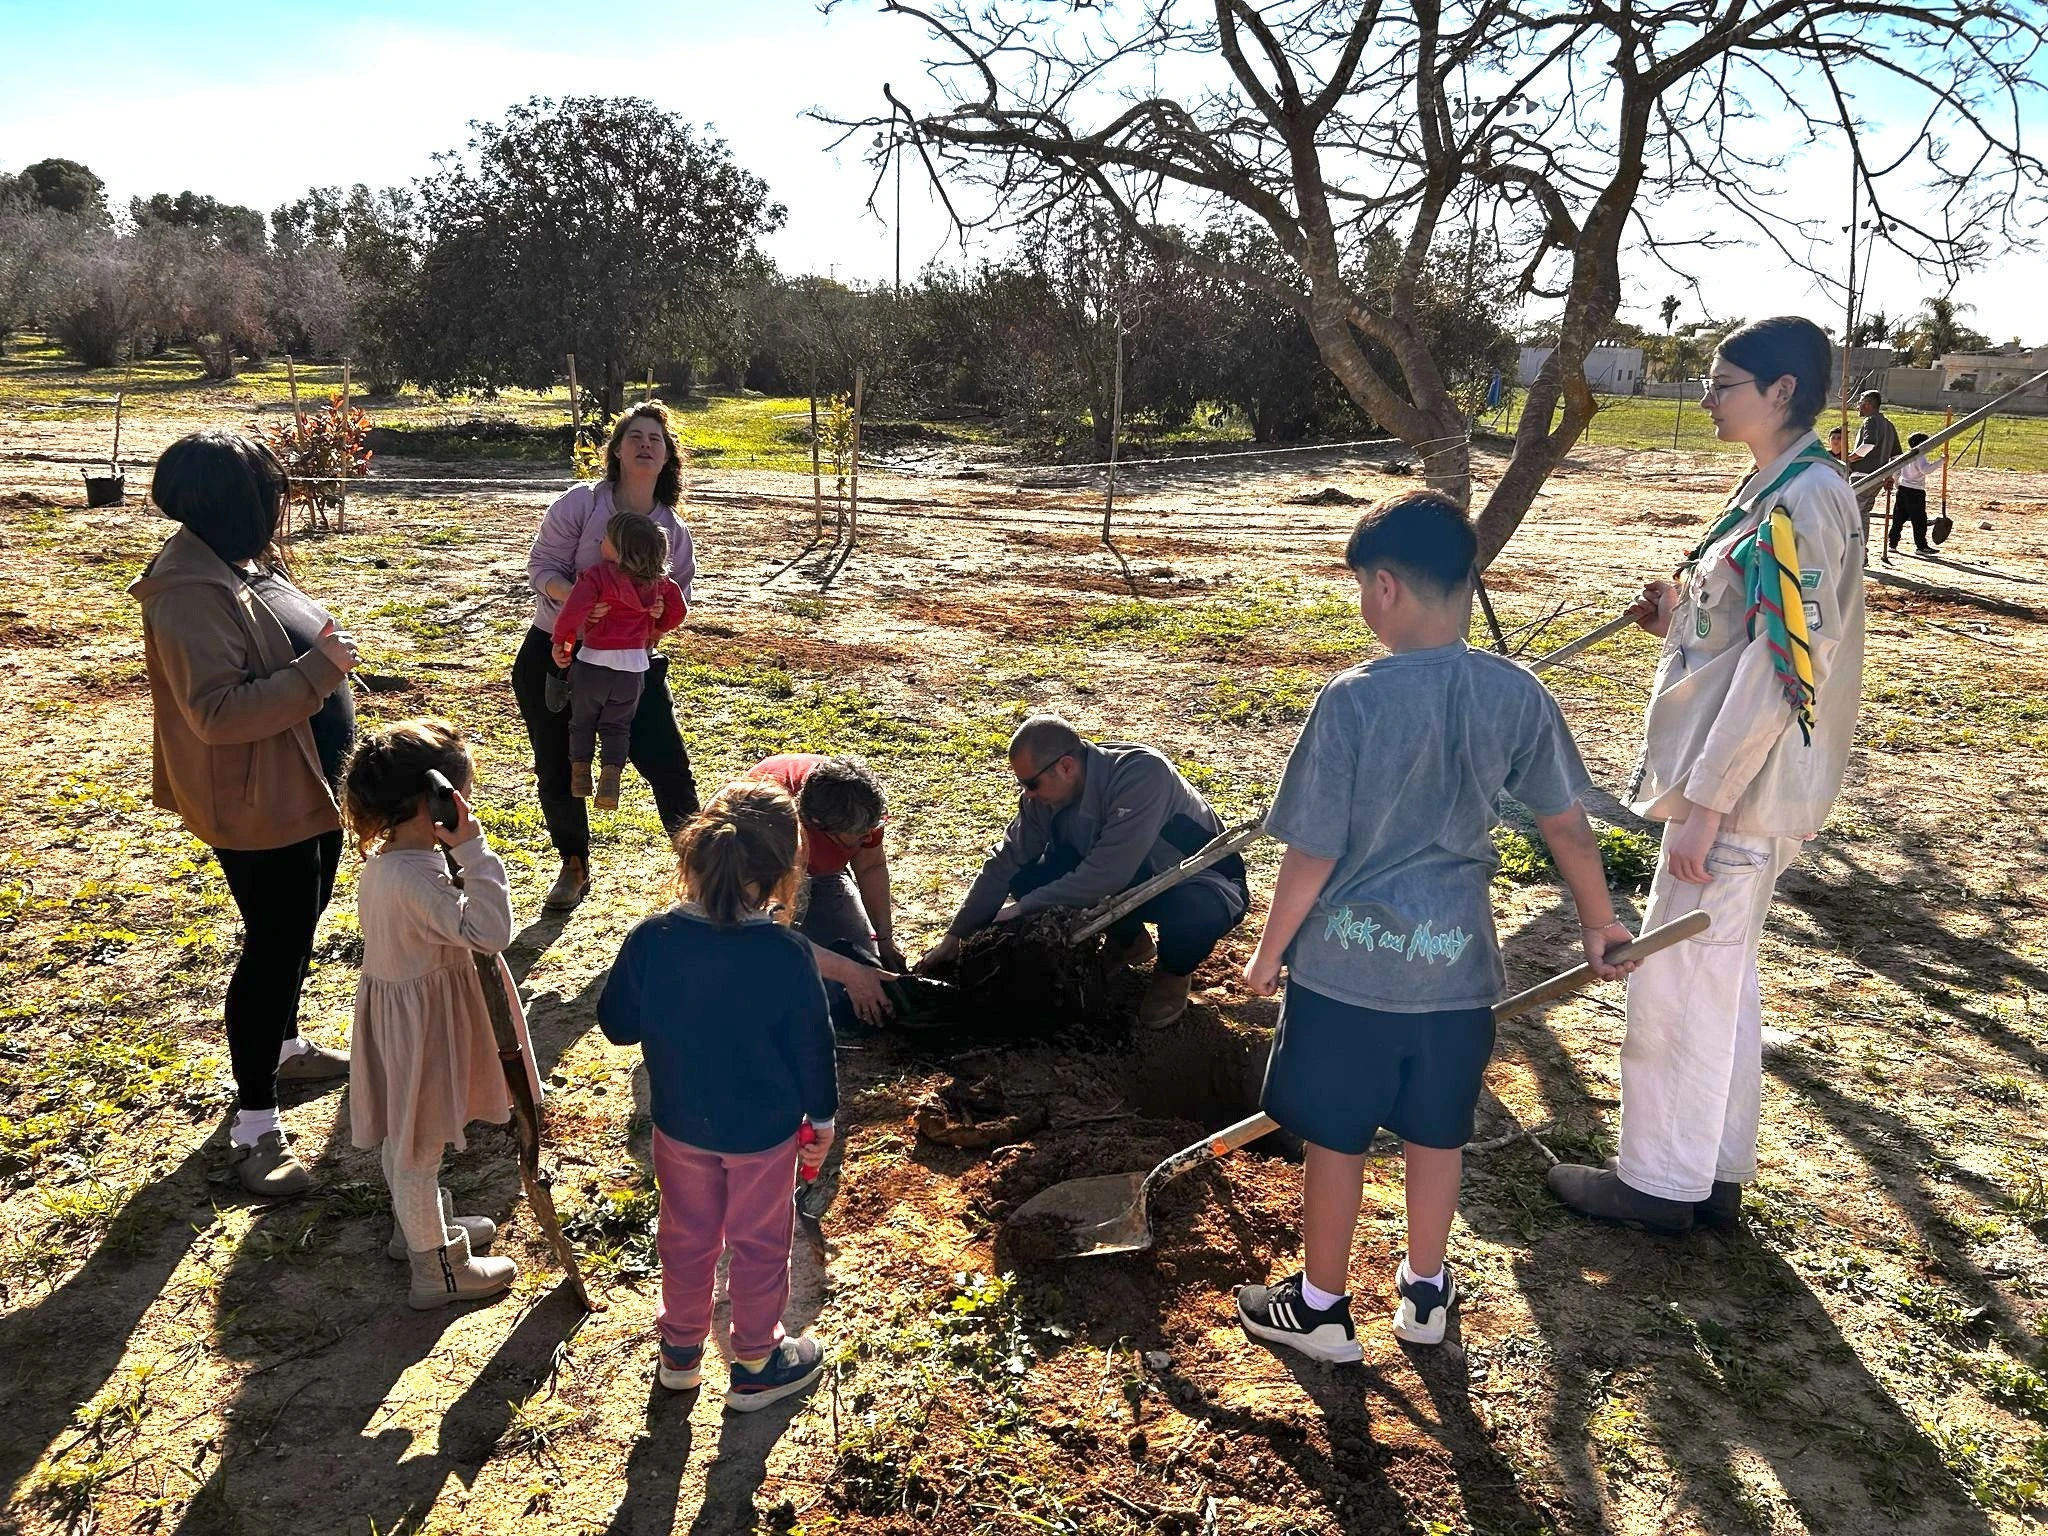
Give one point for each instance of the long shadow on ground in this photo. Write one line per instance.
(1710, 1349)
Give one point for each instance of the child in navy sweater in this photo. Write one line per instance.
(726, 1004)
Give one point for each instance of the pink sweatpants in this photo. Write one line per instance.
(711, 1201)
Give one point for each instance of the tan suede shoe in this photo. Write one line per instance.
(315, 1064)
(268, 1168)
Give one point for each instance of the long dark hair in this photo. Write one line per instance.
(668, 486)
(228, 489)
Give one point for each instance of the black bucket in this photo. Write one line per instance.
(108, 490)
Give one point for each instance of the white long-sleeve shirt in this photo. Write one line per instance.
(1720, 731)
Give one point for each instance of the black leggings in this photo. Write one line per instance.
(656, 749)
(281, 893)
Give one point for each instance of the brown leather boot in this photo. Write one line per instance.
(570, 887)
(1165, 1000)
(579, 781)
(607, 796)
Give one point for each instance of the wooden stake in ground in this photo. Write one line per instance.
(575, 414)
(115, 461)
(817, 476)
(1116, 423)
(341, 507)
(853, 456)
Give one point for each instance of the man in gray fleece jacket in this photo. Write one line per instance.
(1093, 819)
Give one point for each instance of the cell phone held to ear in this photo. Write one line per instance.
(441, 800)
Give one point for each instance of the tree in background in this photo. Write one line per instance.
(603, 227)
(1668, 309)
(1332, 122)
(1938, 329)
(225, 225)
(367, 243)
(65, 186)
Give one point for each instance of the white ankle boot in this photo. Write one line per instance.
(481, 1229)
(450, 1274)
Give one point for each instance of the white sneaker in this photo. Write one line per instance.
(1425, 1309)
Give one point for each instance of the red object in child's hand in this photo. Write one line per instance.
(806, 1135)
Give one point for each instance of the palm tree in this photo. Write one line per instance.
(1668, 309)
(1938, 329)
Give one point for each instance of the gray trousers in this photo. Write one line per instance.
(601, 705)
(836, 918)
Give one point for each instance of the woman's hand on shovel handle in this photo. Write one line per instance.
(1652, 610)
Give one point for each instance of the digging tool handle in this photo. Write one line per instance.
(525, 1114)
(1585, 642)
(1246, 1131)
(1661, 937)
(1956, 428)
(1217, 849)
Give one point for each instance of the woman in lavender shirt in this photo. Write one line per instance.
(642, 474)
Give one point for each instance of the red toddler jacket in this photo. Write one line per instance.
(628, 626)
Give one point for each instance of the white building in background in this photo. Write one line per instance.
(1610, 370)
(1992, 373)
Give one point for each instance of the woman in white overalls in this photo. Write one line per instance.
(1747, 734)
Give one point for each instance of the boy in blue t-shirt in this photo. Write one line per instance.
(1384, 918)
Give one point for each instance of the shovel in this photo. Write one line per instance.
(1112, 1213)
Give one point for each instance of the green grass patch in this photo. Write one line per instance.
(1278, 696)
(1638, 422)
(1630, 858)
(1269, 617)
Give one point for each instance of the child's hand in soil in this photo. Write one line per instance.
(465, 827)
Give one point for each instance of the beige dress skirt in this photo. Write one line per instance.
(423, 1059)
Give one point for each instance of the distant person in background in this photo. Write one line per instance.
(253, 724)
(1877, 442)
(1911, 506)
(1837, 443)
(643, 474)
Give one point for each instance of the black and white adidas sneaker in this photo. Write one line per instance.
(1425, 1309)
(1279, 1315)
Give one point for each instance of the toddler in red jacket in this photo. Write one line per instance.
(621, 605)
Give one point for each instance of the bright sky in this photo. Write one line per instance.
(254, 102)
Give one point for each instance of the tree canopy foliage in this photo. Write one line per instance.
(1561, 131)
(603, 227)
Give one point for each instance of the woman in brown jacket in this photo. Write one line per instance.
(248, 679)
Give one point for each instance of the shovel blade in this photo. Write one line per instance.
(1101, 1216)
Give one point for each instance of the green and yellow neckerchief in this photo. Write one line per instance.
(1767, 558)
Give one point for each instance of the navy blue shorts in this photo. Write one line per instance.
(1339, 1072)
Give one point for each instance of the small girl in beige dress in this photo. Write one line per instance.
(425, 1060)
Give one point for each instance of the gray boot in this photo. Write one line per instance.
(444, 1275)
(481, 1229)
(1722, 1208)
(1599, 1193)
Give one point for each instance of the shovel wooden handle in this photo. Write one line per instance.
(1250, 1129)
